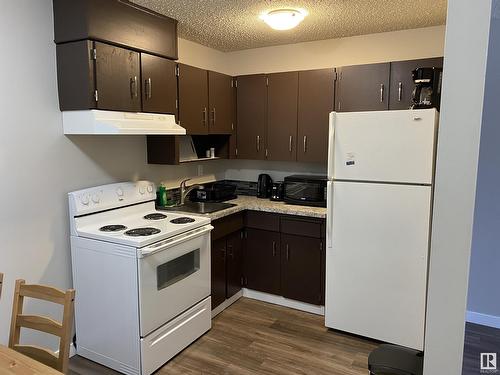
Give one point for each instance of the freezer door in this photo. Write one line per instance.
(377, 262)
(385, 146)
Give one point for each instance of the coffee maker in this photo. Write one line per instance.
(427, 92)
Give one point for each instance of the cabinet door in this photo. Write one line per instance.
(159, 84)
(301, 268)
(363, 88)
(233, 146)
(218, 271)
(252, 116)
(193, 99)
(117, 75)
(402, 85)
(316, 99)
(220, 102)
(262, 261)
(282, 116)
(234, 270)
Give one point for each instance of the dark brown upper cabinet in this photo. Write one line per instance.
(252, 116)
(117, 77)
(117, 22)
(99, 75)
(205, 100)
(220, 98)
(282, 116)
(402, 84)
(193, 99)
(159, 84)
(363, 88)
(233, 144)
(315, 102)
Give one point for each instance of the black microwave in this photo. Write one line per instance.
(307, 190)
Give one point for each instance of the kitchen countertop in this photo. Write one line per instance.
(245, 202)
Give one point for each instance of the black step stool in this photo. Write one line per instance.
(395, 360)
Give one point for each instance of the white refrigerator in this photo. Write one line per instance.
(380, 171)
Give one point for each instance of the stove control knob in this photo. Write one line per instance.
(150, 189)
(142, 190)
(96, 198)
(85, 199)
(119, 192)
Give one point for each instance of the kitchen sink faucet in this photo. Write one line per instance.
(184, 192)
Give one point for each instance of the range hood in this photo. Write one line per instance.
(101, 122)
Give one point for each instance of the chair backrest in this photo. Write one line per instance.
(42, 323)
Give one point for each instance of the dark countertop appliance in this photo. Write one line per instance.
(306, 190)
(427, 92)
(216, 192)
(277, 191)
(264, 183)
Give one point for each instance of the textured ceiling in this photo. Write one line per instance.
(230, 25)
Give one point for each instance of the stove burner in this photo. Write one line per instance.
(155, 216)
(182, 220)
(140, 232)
(112, 228)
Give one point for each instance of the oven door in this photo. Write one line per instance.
(173, 276)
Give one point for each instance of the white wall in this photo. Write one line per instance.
(373, 48)
(484, 279)
(456, 170)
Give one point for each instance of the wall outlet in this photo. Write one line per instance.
(200, 170)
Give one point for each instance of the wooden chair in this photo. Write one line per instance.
(44, 324)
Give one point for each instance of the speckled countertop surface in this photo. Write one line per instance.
(244, 202)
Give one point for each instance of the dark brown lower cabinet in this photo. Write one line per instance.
(234, 263)
(227, 257)
(218, 275)
(262, 261)
(301, 263)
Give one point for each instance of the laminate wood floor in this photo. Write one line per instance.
(479, 339)
(253, 337)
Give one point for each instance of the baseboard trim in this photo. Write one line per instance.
(483, 319)
(72, 350)
(282, 301)
(224, 305)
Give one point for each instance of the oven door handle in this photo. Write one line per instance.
(163, 245)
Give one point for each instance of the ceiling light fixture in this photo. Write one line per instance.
(284, 19)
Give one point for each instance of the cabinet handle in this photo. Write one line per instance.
(274, 248)
(223, 251)
(381, 93)
(230, 251)
(133, 87)
(149, 89)
(290, 143)
(258, 143)
(305, 144)
(400, 91)
(287, 252)
(204, 116)
(214, 115)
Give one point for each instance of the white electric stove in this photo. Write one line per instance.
(142, 277)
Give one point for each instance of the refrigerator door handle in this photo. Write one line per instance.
(329, 215)
(331, 145)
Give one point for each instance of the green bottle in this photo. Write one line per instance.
(161, 196)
